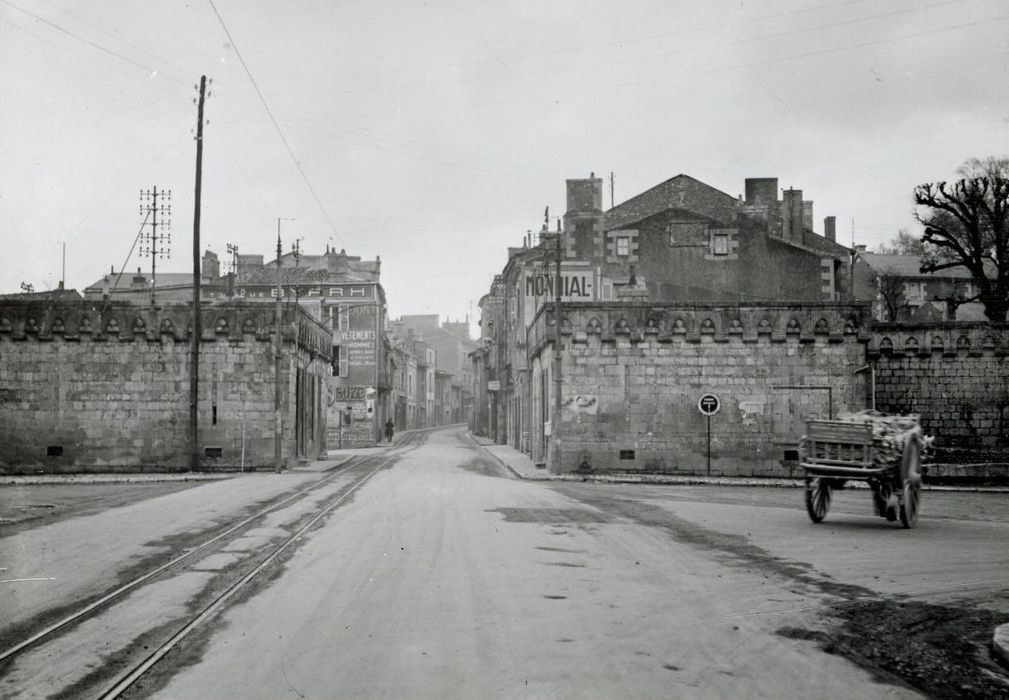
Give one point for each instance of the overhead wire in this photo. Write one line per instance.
(580, 66)
(273, 119)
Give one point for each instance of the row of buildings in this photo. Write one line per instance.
(683, 292)
(297, 356)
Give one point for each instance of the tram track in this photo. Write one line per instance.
(359, 469)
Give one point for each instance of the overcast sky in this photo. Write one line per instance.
(434, 134)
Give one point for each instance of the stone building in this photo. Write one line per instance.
(681, 242)
(341, 291)
(451, 344)
(90, 385)
(900, 292)
(633, 374)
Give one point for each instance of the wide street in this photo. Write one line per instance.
(444, 576)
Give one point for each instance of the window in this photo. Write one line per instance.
(623, 245)
(719, 244)
(336, 360)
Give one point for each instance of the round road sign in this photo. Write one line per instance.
(708, 404)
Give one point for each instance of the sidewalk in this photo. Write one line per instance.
(524, 468)
(519, 464)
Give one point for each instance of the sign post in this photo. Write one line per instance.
(708, 405)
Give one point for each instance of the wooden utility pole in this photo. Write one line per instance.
(194, 363)
(555, 425)
(278, 432)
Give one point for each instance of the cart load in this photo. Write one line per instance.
(881, 449)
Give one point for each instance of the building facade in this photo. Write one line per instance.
(96, 386)
(682, 243)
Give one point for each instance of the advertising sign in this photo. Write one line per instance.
(578, 283)
(360, 347)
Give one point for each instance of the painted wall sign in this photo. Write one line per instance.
(340, 394)
(582, 404)
(578, 283)
(340, 291)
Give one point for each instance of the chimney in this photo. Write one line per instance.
(761, 190)
(807, 214)
(139, 280)
(211, 267)
(791, 215)
(585, 195)
(830, 228)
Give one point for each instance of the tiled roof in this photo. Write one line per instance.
(910, 266)
(679, 192)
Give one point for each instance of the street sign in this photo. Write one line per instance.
(493, 385)
(708, 404)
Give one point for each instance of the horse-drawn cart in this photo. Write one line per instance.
(884, 451)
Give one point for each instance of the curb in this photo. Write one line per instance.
(137, 478)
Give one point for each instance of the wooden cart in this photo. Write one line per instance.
(836, 451)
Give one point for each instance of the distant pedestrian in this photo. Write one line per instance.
(388, 430)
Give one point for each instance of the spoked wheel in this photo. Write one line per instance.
(817, 498)
(910, 474)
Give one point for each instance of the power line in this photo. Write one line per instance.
(580, 66)
(679, 77)
(103, 49)
(269, 112)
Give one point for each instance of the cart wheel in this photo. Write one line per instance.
(817, 498)
(910, 473)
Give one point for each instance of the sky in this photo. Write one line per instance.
(434, 134)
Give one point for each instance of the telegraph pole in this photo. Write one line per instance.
(154, 244)
(194, 364)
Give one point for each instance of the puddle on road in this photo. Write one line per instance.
(551, 516)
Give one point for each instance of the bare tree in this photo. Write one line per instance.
(904, 243)
(890, 297)
(967, 224)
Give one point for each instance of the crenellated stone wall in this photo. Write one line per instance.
(633, 374)
(87, 386)
(954, 375)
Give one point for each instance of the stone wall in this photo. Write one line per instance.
(633, 375)
(86, 386)
(954, 375)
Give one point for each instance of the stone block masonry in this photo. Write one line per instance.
(633, 375)
(954, 375)
(87, 386)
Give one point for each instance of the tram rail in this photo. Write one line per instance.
(364, 467)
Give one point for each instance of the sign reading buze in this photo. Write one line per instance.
(349, 393)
